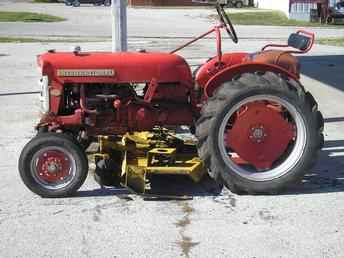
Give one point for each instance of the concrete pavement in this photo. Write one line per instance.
(306, 221)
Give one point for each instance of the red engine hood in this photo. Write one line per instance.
(127, 67)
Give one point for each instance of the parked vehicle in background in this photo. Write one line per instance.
(336, 13)
(238, 3)
(76, 3)
(229, 3)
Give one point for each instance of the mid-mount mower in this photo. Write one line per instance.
(258, 130)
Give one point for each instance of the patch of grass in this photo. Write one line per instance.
(28, 17)
(16, 40)
(268, 18)
(331, 41)
(41, 40)
(45, 1)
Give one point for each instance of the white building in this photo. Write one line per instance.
(294, 9)
(281, 5)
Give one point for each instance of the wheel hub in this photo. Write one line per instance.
(53, 166)
(260, 135)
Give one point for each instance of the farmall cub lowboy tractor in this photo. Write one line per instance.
(258, 130)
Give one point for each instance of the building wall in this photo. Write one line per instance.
(299, 11)
(281, 5)
(161, 3)
(173, 3)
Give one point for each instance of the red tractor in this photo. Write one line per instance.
(258, 130)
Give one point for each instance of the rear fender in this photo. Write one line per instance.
(229, 73)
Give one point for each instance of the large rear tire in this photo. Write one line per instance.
(259, 133)
(53, 165)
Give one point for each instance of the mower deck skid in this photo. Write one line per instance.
(151, 153)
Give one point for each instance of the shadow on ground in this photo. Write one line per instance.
(326, 69)
(328, 175)
(162, 187)
(103, 191)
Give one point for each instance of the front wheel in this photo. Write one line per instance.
(229, 5)
(329, 20)
(76, 3)
(53, 165)
(239, 4)
(259, 133)
(107, 2)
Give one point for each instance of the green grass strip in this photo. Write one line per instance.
(270, 18)
(49, 40)
(28, 17)
(45, 1)
(331, 41)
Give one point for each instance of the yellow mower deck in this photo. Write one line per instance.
(149, 153)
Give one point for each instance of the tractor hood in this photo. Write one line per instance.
(114, 67)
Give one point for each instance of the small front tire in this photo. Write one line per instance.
(53, 165)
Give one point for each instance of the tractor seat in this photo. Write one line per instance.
(298, 43)
(276, 57)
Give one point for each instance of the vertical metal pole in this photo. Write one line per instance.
(119, 25)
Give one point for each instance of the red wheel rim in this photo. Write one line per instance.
(260, 134)
(53, 167)
(262, 137)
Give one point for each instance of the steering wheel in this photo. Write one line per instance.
(227, 22)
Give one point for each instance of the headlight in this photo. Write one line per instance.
(45, 96)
